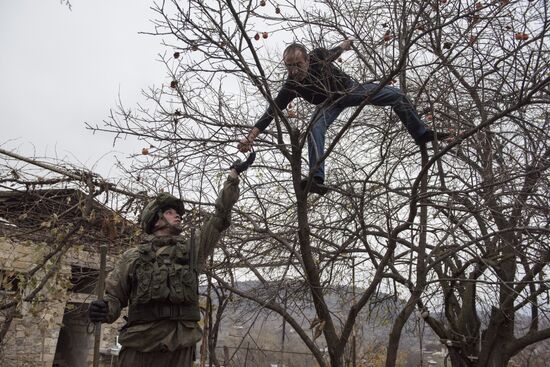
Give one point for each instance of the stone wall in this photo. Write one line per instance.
(32, 339)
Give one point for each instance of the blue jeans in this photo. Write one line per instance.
(325, 115)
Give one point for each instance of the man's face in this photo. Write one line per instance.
(297, 64)
(171, 217)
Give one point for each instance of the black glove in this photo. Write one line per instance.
(241, 166)
(97, 312)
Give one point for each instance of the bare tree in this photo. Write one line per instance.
(462, 228)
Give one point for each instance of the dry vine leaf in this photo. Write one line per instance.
(319, 329)
(314, 323)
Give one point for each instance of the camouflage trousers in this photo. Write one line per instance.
(180, 358)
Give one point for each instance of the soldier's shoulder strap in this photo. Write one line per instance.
(146, 251)
(193, 249)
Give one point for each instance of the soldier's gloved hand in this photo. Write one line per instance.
(97, 312)
(241, 166)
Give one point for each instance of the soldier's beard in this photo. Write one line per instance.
(169, 229)
(175, 229)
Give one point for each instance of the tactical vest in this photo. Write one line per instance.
(165, 282)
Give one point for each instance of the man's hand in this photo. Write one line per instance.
(240, 166)
(346, 45)
(245, 145)
(98, 311)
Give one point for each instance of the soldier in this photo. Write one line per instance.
(158, 281)
(314, 77)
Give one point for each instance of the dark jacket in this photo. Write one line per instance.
(323, 81)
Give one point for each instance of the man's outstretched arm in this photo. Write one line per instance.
(334, 53)
(221, 218)
(284, 97)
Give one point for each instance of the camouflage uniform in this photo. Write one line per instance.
(158, 281)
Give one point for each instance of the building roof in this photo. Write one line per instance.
(39, 215)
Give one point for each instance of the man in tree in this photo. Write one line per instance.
(158, 281)
(315, 78)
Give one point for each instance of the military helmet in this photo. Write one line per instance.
(154, 209)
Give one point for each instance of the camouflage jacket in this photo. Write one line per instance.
(123, 283)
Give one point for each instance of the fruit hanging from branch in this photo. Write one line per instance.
(474, 18)
(521, 36)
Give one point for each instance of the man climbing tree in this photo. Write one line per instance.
(315, 78)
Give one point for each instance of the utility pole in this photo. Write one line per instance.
(282, 362)
(353, 337)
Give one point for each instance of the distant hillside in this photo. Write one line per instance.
(263, 329)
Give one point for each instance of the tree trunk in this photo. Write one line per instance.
(498, 358)
(9, 315)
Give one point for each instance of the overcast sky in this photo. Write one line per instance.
(62, 67)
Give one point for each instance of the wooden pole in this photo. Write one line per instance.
(354, 333)
(100, 293)
(284, 327)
